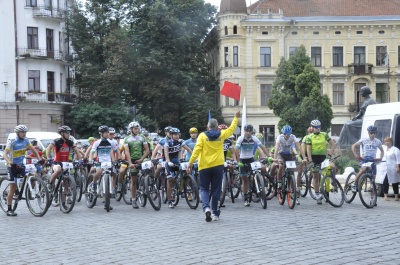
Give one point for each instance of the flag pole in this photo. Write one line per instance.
(244, 119)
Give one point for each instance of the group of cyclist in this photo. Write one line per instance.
(135, 149)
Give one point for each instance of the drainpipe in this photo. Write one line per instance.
(284, 39)
(16, 61)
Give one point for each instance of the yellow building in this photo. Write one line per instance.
(347, 41)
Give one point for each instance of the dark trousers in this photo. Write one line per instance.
(211, 175)
(386, 186)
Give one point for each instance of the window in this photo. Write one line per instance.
(381, 55)
(226, 30)
(337, 54)
(226, 101)
(359, 32)
(315, 32)
(294, 32)
(338, 94)
(381, 93)
(268, 132)
(235, 29)
(48, 5)
(338, 32)
(359, 55)
(236, 103)
(265, 93)
(292, 50)
(381, 32)
(265, 56)
(384, 127)
(336, 129)
(264, 33)
(61, 82)
(60, 42)
(235, 56)
(31, 3)
(33, 38)
(33, 80)
(226, 57)
(316, 56)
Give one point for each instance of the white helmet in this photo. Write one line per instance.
(315, 123)
(111, 130)
(134, 124)
(20, 128)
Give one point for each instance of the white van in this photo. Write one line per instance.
(43, 138)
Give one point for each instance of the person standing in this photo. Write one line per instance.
(393, 169)
(210, 152)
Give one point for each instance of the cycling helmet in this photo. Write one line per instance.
(167, 129)
(20, 128)
(248, 128)
(85, 146)
(193, 130)
(134, 124)
(259, 135)
(222, 127)
(232, 137)
(372, 128)
(90, 139)
(64, 129)
(117, 136)
(174, 130)
(315, 123)
(146, 133)
(286, 129)
(111, 130)
(309, 130)
(103, 128)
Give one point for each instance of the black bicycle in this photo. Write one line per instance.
(227, 184)
(256, 192)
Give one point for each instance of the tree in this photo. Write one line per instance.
(296, 95)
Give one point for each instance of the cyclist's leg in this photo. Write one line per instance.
(56, 172)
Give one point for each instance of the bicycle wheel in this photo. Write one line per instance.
(291, 191)
(163, 188)
(260, 188)
(79, 187)
(224, 188)
(281, 194)
(311, 188)
(4, 190)
(270, 186)
(37, 196)
(349, 195)
(367, 191)
(107, 194)
(304, 183)
(126, 191)
(67, 194)
(152, 192)
(229, 186)
(332, 190)
(54, 196)
(237, 184)
(191, 192)
(90, 194)
(141, 192)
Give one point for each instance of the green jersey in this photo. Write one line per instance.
(317, 142)
(136, 145)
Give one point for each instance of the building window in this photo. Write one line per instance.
(226, 30)
(265, 93)
(337, 54)
(294, 32)
(236, 103)
(338, 94)
(315, 32)
(359, 55)
(381, 55)
(31, 3)
(235, 56)
(61, 82)
(359, 32)
(264, 33)
(235, 29)
(33, 80)
(336, 129)
(226, 101)
(381, 94)
(268, 132)
(292, 50)
(338, 32)
(316, 56)
(33, 38)
(226, 57)
(381, 32)
(265, 56)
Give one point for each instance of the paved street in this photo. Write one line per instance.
(308, 234)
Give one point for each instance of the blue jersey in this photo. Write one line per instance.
(18, 148)
(189, 143)
(174, 147)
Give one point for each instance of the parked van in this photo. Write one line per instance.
(43, 138)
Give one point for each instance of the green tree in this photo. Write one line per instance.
(296, 95)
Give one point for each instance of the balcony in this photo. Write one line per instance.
(43, 54)
(45, 97)
(48, 12)
(360, 69)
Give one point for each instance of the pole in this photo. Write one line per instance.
(388, 83)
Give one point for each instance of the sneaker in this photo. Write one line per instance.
(297, 202)
(190, 197)
(246, 203)
(215, 218)
(319, 199)
(353, 188)
(208, 215)
(134, 204)
(11, 213)
(170, 205)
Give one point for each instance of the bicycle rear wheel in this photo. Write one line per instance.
(191, 192)
(237, 184)
(304, 183)
(281, 194)
(270, 187)
(141, 192)
(229, 186)
(332, 190)
(152, 192)
(349, 195)
(37, 197)
(4, 190)
(90, 194)
(367, 191)
(79, 186)
(67, 194)
(291, 191)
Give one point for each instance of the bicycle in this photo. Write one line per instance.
(226, 187)
(306, 174)
(151, 185)
(330, 187)
(366, 186)
(79, 179)
(256, 184)
(288, 188)
(34, 188)
(141, 196)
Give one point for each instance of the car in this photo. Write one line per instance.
(3, 168)
(82, 141)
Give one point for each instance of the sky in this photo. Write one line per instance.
(218, 2)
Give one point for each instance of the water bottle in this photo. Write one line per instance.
(19, 183)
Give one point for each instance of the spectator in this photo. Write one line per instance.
(393, 169)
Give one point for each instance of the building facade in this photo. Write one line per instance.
(352, 44)
(35, 65)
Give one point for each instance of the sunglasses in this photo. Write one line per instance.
(67, 132)
(372, 132)
(286, 134)
(317, 127)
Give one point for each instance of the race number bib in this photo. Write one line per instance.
(255, 165)
(325, 164)
(34, 161)
(147, 165)
(368, 164)
(291, 164)
(67, 165)
(105, 165)
(184, 165)
(30, 168)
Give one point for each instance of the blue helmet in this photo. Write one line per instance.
(287, 129)
(372, 128)
(174, 130)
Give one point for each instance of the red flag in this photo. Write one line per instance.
(231, 90)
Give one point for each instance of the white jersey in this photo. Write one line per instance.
(114, 144)
(246, 146)
(369, 147)
(103, 149)
(286, 145)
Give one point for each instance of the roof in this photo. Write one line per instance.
(233, 6)
(307, 8)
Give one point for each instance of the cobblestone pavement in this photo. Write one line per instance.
(308, 234)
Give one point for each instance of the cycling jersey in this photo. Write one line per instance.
(369, 147)
(174, 147)
(135, 145)
(31, 154)
(317, 142)
(18, 148)
(189, 143)
(61, 149)
(103, 148)
(161, 143)
(228, 145)
(286, 145)
(246, 146)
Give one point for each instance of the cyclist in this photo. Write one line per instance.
(317, 152)
(369, 146)
(283, 148)
(149, 142)
(245, 144)
(136, 150)
(14, 155)
(191, 142)
(29, 155)
(258, 153)
(160, 149)
(103, 149)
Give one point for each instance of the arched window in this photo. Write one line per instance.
(226, 30)
(235, 29)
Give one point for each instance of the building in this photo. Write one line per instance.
(35, 65)
(348, 42)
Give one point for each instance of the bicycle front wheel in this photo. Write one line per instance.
(141, 192)
(191, 192)
(79, 186)
(90, 194)
(107, 194)
(304, 183)
(37, 197)
(367, 191)
(67, 194)
(349, 195)
(291, 191)
(237, 184)
(332, 190)
(152, 192)
(259, 185)
(224, 188)
(126, 191)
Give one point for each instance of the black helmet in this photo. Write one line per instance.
(372, 128)
(64, 128)
(103, 128)
(365, 91)
(248, 128)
